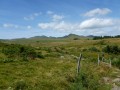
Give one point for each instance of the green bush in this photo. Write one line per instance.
(101, 42)
(19, 51)
(76, 39)
(116, 62)
(39, 55)
(20, 85)
(84, 49)
(93, 49)
(114, 49)
(87, 80)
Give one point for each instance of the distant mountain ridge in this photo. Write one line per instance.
(69, 36)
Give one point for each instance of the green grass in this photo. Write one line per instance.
(39, 74)
(56, 73)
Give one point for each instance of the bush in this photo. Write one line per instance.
(87, 80)
(39, 55)
(11, 50)
(22, 52)
(84, 49)
(93, 49)
(20, 85)
(76, 39)
(112, 49)
(101, 42)
(116, 62)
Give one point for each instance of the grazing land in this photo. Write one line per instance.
(51, 64)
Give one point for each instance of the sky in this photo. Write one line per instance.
(28, 18)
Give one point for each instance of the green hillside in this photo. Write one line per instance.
(52, 64)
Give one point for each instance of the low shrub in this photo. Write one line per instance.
(114, 49)
(21, 52)
(20, 85)
(116, 62)
(76, 39)
(101, 42)
(93, 49)
(86, 80)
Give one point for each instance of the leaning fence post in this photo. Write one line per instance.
(110, 62)
(78, 64)
(103, 57)
(98, 59)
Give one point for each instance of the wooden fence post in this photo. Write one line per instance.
(78, 64)
(110, 62)
(103, 57)
(98, 59)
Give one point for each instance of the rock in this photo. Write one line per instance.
(62, 57)
(116, 80)
(115, 87)
(106, 79)
(118, 76)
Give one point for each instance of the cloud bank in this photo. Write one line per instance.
(97, 12)
(94, 23)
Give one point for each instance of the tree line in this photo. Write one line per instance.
(105, 37)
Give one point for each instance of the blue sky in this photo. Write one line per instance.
(27, 18)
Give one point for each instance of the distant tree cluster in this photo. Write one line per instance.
(105, 37)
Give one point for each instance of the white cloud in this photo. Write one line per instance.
(32, 16)
(29, 18)
(8, 25)
(62, 26)
(46, 25)
(111, 28)
(37, 14)
(97, 11)
(16, 27)
(50, 12)
(96, 23)
(29, 27)
(93, 23)
(56, 17)
(93, 26)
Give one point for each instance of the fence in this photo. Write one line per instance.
(103, 60)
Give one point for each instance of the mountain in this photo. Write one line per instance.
(91, 36)
(73, 36)
(70, 36)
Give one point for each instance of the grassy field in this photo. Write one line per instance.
(56, 69)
